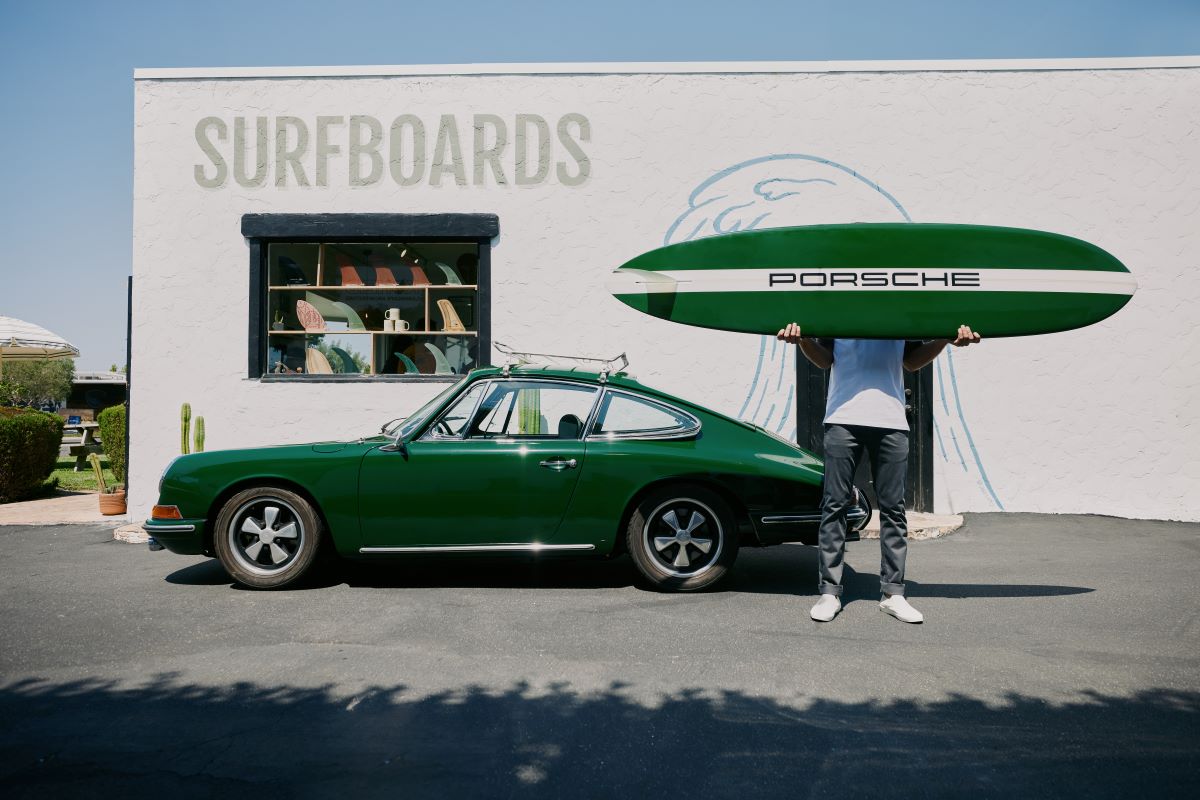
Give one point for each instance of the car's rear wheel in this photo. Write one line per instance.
(682, 538)
(267, 537)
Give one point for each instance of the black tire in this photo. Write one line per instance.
(278, 559)
(659, 517)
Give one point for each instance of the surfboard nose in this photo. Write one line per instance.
(640, 281)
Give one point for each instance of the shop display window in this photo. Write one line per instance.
(372, 308)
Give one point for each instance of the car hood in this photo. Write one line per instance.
(337, 447)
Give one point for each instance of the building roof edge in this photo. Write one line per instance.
(668, 68)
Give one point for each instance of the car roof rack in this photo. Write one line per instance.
(603, 366)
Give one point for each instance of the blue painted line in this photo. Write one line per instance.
(694, 203)
(696, 229)
(937, 431)
(757, 408)
(719, 222)
(792, 433)
(774, 346)
(937, 364)
(787, 409)
(758, 187)
(762, 347)
(966, 430)
(770, 414)
(692, 206)
(754, 222)
(958, 450)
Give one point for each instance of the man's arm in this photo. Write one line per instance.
(814, 351)
(926, 353)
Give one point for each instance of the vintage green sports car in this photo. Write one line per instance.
(515, 460)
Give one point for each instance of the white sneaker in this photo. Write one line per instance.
(826, 608)
(898, 607)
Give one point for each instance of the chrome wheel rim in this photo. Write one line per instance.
(684, 537)
(266, 535)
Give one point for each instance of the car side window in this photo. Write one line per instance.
(451, 423)
(628, 416)
(534, 410)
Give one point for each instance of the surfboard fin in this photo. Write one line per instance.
(644, 290)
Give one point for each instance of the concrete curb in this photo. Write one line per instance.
(63, 508)
(131, 534)
(920, 526)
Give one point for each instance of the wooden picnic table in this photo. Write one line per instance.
(87, 442)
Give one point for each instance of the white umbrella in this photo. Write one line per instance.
(21, 340)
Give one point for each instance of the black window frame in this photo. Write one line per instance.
(262, 230)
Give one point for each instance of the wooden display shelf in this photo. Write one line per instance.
(376, 333)
(405, 287)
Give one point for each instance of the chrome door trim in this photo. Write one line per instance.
(786, 519)
(558, 463)
(551, 381)
(425, 436)
(534, 547)
(659, 434)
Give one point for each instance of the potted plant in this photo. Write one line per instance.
(112, 498)
(112, 501)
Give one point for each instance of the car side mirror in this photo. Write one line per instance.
(398, 446)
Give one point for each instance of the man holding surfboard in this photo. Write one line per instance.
(865, 414)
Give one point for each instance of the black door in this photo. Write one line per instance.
(812, 385)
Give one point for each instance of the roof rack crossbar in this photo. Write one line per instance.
(604, 366)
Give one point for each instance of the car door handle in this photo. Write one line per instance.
(559, 464)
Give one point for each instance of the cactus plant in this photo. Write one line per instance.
(94, 460)
(198, 438)
(185, 424)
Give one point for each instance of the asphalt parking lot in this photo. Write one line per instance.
(1060, 658)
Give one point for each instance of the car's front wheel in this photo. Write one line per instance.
(267, 537)
(682, 538)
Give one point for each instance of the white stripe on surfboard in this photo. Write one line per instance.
(631, 281)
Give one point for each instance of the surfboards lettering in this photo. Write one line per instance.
(869, 279)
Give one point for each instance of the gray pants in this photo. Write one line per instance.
(888, 451)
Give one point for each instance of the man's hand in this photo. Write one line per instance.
(924, 354)
(790, 334)
(965, 337)
(811, 348)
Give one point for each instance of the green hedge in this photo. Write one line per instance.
(29, 442)
(112, 436)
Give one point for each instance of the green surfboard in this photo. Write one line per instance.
(879, 281)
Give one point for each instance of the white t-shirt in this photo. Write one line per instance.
(866, 386)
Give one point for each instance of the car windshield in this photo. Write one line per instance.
(406, 425)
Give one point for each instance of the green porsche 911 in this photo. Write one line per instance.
(515, 460)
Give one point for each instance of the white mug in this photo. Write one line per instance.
(392, 313)
(400, 325)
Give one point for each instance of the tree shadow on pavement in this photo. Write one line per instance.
(175, 739)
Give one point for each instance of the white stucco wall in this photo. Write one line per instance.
(1100, 420)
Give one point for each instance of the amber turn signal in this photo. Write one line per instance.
(166, 512)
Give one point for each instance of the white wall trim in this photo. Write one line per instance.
(672, 68)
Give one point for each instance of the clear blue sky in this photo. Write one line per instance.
(66, 86)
